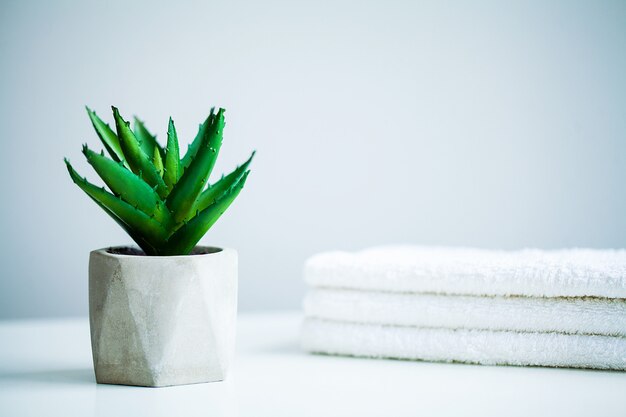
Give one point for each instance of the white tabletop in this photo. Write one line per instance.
(46, 370)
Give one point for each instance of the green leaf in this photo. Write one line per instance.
(141, 224)
(172, 173)
(185, 238)
(147, 247)
(128, 186)
(146, 139)
(139, 162)
(192, 150)
(159, 199)
(158, 162)
(184, 194)
(215, 191)
(107, 136)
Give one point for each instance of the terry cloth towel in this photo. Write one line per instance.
(598, 316)
(529, 272)
(471, 346)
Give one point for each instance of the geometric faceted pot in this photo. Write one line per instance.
(162, 320)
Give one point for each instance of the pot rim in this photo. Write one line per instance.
(211, 251)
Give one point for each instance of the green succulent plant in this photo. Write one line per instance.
(162, 201)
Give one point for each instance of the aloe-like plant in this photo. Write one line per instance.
(162, 201)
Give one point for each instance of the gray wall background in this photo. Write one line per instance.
(493, 124)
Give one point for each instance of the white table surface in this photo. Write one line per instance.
(46, 370)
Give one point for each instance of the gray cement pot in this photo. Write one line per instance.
(162, 320)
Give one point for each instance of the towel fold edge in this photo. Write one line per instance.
(465, 346)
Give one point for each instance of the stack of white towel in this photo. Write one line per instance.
(531, 307)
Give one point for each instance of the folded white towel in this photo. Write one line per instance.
(539, 273)
(601, 316)
(471, 346)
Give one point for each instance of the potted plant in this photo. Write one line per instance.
(164, 313)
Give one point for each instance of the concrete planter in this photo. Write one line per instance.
(162, 320)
